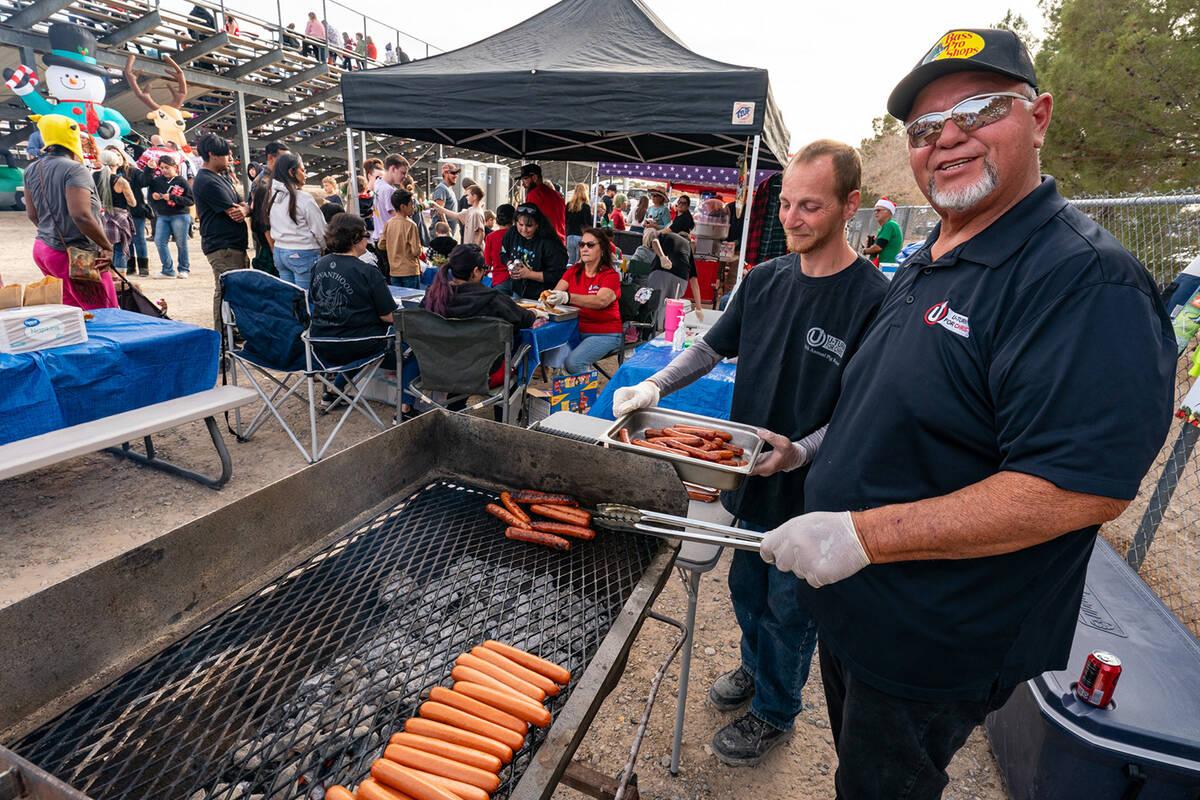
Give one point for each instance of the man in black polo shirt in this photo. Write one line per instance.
(223, 236)
(1007, 400)
(792, 324)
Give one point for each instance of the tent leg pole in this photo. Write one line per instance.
(750, 183)
(352, 173)
(244, 141)
(362, 144)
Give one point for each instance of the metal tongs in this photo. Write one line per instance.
(628, 518)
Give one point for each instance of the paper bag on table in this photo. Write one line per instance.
(10, 296)
(46, 292)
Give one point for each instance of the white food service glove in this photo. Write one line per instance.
(699, 314)
(822, 547)
(786, 456)
(540, 314)
(558, 298)
(630, 398)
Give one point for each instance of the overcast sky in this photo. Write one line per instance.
(831, 64)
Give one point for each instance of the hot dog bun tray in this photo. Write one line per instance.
(693, 470)
(273, 645)
(559, 314)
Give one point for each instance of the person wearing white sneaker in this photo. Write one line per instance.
(793, 325)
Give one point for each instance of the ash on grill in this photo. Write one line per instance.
(347, 711)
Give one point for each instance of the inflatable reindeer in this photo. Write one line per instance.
(169, 119)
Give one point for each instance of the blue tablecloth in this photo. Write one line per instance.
(129, 360)
(407, 298)
(710, 396)
(547, 337)
(428, 274)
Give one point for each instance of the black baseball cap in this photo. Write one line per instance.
(531, 169)
(964, 50)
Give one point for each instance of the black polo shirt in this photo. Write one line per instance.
(214, 196)
(1039, 346)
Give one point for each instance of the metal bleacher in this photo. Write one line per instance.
(258, 78)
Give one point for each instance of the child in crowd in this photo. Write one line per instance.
(402, 243)
(170, 197)
(501, 280)
(442, 242)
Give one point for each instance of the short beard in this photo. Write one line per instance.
(968, 197)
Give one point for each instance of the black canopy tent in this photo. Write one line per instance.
(535, 91)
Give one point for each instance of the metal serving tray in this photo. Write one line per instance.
(563, 313)
(690, 469)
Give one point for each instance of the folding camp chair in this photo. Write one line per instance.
(456, 357)
(272, 317)
(635, 314)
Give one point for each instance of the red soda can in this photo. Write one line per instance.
(1099, 679)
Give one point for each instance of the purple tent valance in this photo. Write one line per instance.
(679, 173)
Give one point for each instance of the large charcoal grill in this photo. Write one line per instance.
(296, 683)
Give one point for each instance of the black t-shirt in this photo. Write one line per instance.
(683, 222)
(578, 220)
(1039, 346)
(792, 335)
(214, 195)
(679, 251)
(544, 254)
(608, 203)
(348, 297)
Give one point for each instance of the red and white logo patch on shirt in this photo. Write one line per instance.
(948, 318)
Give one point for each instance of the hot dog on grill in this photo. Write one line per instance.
(463, 791)
(394, 776)
(565, 529)
(438, 765)
(441, 694)
(461, 673)
(538, 537)
(516, 510)
(371, 789)
(524, 673)
(440, 712)
(454, 752)
(506, 516)
(528, 496)
(526, 688)
(523, 707)
(339, 793)
(460, 736)
(554, 672)
(572, 516)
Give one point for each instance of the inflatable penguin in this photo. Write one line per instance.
(78, 83)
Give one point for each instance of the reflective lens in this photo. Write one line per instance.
(969, 115)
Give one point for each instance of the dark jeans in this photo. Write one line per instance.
(778, 635)
(891, 746)
(407, 281)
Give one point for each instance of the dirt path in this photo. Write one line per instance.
(62, 519)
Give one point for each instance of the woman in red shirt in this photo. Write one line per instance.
(594, 287)
(501, 280)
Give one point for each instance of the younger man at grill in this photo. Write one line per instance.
(793, 325)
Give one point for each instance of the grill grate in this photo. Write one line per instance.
(299, 686)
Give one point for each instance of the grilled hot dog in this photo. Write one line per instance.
(441, 694)
(523, 707)
(524, 687)
(565, 529)
(528, 496)
(394, 776)
(371, 789)
(463, 791)
(506, 516)
(454, 752)
(572, 516)
(438, 765)
(538, 537)
(524, 673)
(339, 793)
(459, 736)
(516, 510)
(440, 712)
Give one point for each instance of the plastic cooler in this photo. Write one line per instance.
(1146, 745)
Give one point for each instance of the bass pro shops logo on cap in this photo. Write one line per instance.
(943, 315)
(743, 113)
(955, 44)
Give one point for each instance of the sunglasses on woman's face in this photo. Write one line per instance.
(967, 115)
(589, 244)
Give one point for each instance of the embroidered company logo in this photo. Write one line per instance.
(743, 113)
(956, 44)
(819, 340)
(942, 314)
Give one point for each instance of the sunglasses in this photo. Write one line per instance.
(455, 171)
(968, 115)
(589, 245)
(530, 210)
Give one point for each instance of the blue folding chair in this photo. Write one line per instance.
(272, 317)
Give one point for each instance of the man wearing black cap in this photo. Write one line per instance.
(548, 201)
(1007, 400)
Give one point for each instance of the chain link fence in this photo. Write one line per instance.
(1160, 531)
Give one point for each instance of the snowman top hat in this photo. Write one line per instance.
(73, 47)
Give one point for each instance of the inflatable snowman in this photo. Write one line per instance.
(78, 83)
